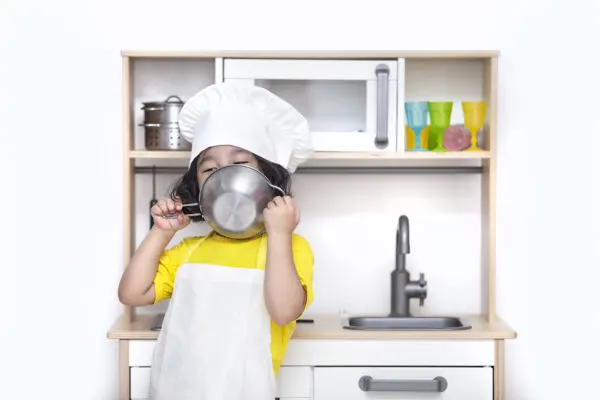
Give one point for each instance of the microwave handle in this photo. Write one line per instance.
(382, 72)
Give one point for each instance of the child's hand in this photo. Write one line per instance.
(168, 216)
(282, 215)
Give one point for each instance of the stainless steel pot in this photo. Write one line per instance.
(165, 137)
(161, 126)
(162, 112)
(232, 200)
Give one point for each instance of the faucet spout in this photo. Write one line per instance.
(402, 243)
(403, 289)
(402, 236)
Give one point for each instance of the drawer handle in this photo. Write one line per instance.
(368, 384)
(382, 72)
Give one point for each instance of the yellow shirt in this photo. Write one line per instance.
(218, 250)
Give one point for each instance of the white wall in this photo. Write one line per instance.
(61, 99)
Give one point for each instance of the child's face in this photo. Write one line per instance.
(220, 156)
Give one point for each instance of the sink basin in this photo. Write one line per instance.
(388, 323)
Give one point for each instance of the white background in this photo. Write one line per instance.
(60, 102)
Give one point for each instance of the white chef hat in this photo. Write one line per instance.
(248, 117)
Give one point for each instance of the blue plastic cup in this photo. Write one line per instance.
(416, 119)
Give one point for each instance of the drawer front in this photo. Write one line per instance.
(390, 353)
(294, 382)
(139, 378)
(308, 352)
(403, 383)
(140, 352)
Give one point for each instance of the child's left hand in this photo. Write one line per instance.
(282, 215)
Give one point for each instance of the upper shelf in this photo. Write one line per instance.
(448, 162)
(362, 107)
(332, 156)
(321, 54)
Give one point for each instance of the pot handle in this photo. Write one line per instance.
(158, 125)
(280, 190)
(173, 97)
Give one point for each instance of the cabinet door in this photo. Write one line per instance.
(351, 105)
(404, 383)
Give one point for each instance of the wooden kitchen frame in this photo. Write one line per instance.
(486, 326)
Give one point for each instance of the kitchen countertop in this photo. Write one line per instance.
(330, 327)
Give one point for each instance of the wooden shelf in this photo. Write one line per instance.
(322, 54)
(334, 156)
(159, 155)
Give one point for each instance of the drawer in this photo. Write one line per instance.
(141, 352)
(390, 353)
(139, 381)
(307, 352)
(403, 383)
(294, 382)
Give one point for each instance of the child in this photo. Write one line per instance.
(234, 303)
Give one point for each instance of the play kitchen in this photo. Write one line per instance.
(398, 204)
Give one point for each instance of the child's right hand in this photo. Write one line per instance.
(168, 216)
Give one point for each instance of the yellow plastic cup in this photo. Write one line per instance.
(474, 117)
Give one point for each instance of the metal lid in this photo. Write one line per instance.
(171, 100)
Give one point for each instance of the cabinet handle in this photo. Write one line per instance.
(368, 384)
(382, 72)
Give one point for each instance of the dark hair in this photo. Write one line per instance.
(187, 188)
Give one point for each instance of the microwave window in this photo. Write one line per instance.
(328, 105)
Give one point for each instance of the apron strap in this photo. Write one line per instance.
(193, 249)
(261, 258)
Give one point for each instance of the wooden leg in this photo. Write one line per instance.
(123, 369)
(499, 370)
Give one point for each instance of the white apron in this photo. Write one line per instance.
(215, 342)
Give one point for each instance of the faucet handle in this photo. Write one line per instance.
(423, 295)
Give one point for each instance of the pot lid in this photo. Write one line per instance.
(174, 100)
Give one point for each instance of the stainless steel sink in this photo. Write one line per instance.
(389, 323)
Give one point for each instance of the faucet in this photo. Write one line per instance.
(403, 289)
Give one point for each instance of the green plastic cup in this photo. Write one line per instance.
(439, 117)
